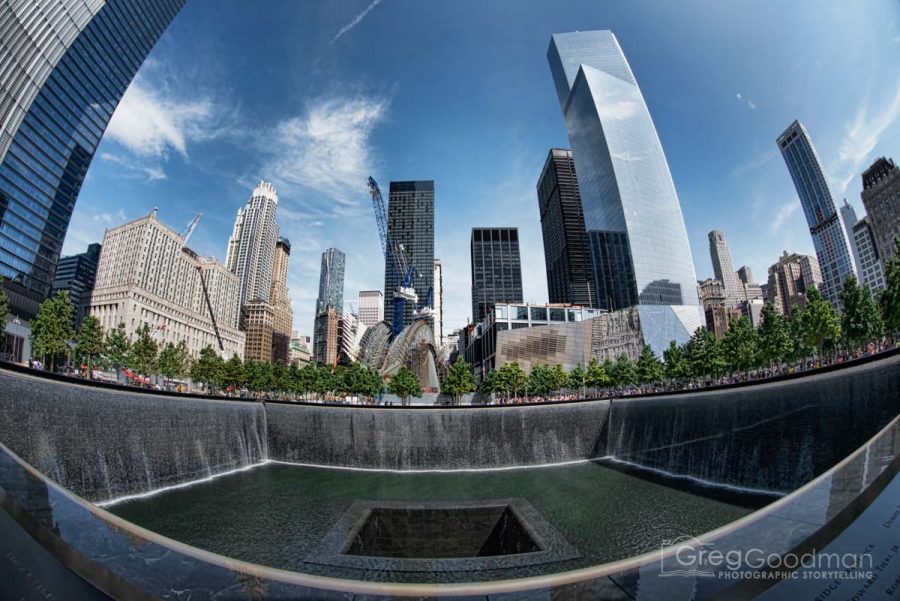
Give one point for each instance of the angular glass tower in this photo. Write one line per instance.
(821, 214)
(638, 242)
(64, 66)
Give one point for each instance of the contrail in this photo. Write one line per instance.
(355, 21)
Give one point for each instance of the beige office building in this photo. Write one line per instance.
(146, 275)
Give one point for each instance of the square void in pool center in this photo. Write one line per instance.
(479, 535)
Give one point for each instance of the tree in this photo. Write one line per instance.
(459, 380)
(233, 375)
(597, 374)
(208, 368)
(539, 380)
(740, 345)
(819, 326)
(52, 329)
(144, 351)
(860, 317)
(173, 360)
(116, 348)
(513, 378)
(90, 342)
(775, 341)
(704, 354)
(623, 371)
(559, 379)
(649, 367)
(405, 384)
(491, 383)
(578, 378)
(889, 299)
(676, 363)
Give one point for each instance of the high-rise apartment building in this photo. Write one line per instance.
(251, 248)
(331, 281)
(566, 254)
(818, 206)
(327, 336)
(437, 302)
(496, 269)
(881, 197)
(722, 266)
(639, 247)
(147, 276)
(65, 66)
(849, 219)
(76, 274)
(790, 278)
(370, 307)
(268, 324)
(411, 224)
(871, 268)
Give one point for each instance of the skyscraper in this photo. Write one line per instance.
(437, 303)
(280, 300)
(566, 255)
(371, 307)
(818, 206)
(331, 281)
(66, 65)
(849, 218)
(496, 269)
(871, 268)
(636, 234)
(76, 274)
(251, 248)
(411, 224)
(745, 275)
(789, 279)
(881, 197)
(722, 266)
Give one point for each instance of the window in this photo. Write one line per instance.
(539, 314)
(501, 313)
(557, 314)
(520, 313)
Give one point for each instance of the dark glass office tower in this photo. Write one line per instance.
(496, 269)
(66, 65)
(566, 254)
(77, 274)
(411, 224)
(331, 281)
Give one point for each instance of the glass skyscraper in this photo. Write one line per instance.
(331, 281)
(496, 269)
(636, 235)
(410, 215)
(818, 206)
(64, 66)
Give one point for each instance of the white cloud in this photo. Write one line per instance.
(785, 212)
(355, 21)
(327, 150)
(862, 136)
(742, 99)
(152, 125)
(144, 170)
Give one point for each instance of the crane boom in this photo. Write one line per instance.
(186, 234)
(212, 315)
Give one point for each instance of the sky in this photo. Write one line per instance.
(314, 96)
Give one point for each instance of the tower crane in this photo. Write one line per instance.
(189, 229)
(402, 274)
(426, 309)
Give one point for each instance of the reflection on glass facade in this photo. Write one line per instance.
(636, 233)
(496, 270)
(818, 206)
(64, 67)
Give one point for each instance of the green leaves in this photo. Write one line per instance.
(740, 345)
(818, 325)
(860, 317)
(459, 380)
(775, 342)
(144, 350)
(89, 345)
(52, 329)
(649, 367)
(405, 384)
(208, 369)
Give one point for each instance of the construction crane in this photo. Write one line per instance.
(212, 315)
(402, 274)
(189, 229)
(426, 309)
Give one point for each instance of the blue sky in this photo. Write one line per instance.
(314, 96)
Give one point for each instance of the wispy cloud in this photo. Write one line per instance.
(355, 21)
(784, 213)
(327, 150)
(862, 136)
(146, 171)
(150, 124)
(744, 100)
(754, 163)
